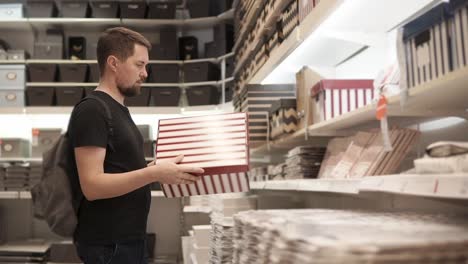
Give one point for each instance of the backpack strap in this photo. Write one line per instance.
(108, 115)
(107, 110)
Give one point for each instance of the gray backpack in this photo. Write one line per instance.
(57, 197)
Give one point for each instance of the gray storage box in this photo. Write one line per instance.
(12, 98)
(166, 48)
(11, 11)
(16, 55)
(68, 96)
(15, 148)
(202, 95)
(165, 73)
(41, 9)
(73, 72)
(12, 77)
(42, 72)
(49, 46)
(3, 54)
(43, 139)
(40, 96)
(146, 132)
(48, 50)
(165, 96)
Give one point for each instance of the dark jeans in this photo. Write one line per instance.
(131, 252)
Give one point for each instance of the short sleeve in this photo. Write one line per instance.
(88, 126)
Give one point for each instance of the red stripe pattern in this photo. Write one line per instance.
(216, 143)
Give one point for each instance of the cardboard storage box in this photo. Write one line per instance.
(12, 76)
(135, 9)
(165, 73)
(104, 9)
(200, 72)
(283, 118)
(332, 98)
(41, 9)
(40, 96)
(161, 10)
(77, 9)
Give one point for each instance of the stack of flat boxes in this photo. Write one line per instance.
(256, 100)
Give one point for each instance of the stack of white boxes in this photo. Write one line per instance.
(201, 243)
(12, 82)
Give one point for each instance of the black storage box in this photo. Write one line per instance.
(220, 6)
(229, 67)
(148, 148)
(73, 72)
(76, 48)
(165, 73)
(166, 49)
(139, 100)
(78, 9)
(88, 90)
(200, 72)
(68, 96)
(223, 36)
(165, 96)
(202, 95)
(188, 48)
(40, 96)
(41, 9)
(135, 9)
(145, 131)
(42, 72)
(161, 10)
(199, 8)
(94, 73)
(104, 9)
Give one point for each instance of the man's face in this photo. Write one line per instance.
(132, 72)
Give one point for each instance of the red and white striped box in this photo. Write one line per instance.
(333, 98)
(216, 143)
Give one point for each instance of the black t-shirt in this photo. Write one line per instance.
(121, 218)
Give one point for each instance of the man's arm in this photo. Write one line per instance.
(96, 184)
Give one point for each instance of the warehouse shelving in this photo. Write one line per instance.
(428, 185)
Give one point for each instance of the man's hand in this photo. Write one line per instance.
(171, 172)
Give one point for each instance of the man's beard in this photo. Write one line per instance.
(130, 91)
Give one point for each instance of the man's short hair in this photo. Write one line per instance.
(120, 42)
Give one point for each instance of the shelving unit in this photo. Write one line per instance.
(442, 97)
(80, 23)
(429, 186)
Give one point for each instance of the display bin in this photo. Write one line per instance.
(68, 96)
(40, 96)
(140, 100)
(165, 73)
(42, 72)
(202, 95)
(165, 96)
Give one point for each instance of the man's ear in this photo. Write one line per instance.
(112, 63)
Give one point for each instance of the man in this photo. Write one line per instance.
(113, 174)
